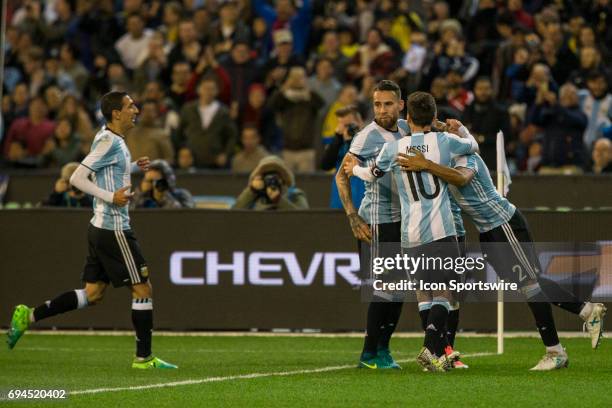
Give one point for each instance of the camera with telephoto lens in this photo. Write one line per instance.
(161, 185)
(272, 180)
(352, 129)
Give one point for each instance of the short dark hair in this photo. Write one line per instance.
(387, 85)
(111, 101)
(251, 126)
(421, 108)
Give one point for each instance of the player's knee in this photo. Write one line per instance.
(94, 295)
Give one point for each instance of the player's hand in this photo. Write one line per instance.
(415, 161)
(122, 196)
(360, 229)
(143, 163)
(350, 161)
(453, 125)
(441, 126)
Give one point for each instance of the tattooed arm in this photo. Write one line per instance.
(360, 228)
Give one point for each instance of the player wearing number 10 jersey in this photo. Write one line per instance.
(427, 222)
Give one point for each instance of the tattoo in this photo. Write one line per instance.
(354, 220)
(344, 189)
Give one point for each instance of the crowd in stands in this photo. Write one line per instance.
(221, 84)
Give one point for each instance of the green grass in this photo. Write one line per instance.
(90, 362)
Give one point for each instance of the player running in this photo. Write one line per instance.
(427, 224)
(499, 221)
(114, 254)
(378, 219)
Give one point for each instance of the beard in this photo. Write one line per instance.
(387, 122)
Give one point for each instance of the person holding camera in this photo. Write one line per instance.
(349, 123)
(65, 195)
(158, 189)
(271, 187)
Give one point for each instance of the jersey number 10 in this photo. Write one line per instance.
(421, 186)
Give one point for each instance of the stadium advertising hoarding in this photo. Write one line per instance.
(243, 270)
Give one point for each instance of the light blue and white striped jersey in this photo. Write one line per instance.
(380, 204)
(456, 210)
(425, 203)
(479, 199)
(110, 161)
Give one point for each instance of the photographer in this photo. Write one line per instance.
(65, 195)
(271, 187)
(158, 189)
(349, 123)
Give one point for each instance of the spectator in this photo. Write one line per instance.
(348, 96)
(17, 106)
(564, 124)
(207, 129)
(133, 45)
(439, 90)
(271, 187)
(27, 136)
(228, 29)
(34, 71)
(596, 103)
(53, 98)
(539, 80)
(276, 68)
(188, 48)
(375, 58)
(323, 81)
(484, 117)
(148, 138)
(252, 151)
(408, 76)
(71, 66)
(242, 71)
(179, 92)
(286, 17)
(65, 195)
(158, 189)
(602, 156)
(73, 111)
(457, 95)
(349, 123)
(185, 160)
(151, 63)
(171, 19)
(590, 59)
(258, 113)
(330, 50)
(168, 116)
(64, 147)
(297, 107)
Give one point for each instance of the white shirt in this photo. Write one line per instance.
(208, 112)
(130, 49)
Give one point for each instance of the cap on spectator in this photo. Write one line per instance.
(282, 36)
(257, 87)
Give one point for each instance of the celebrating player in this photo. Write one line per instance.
(427, 226)
(379, 216)
(114, 254)
(498, 221)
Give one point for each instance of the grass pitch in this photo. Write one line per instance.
(297, 371)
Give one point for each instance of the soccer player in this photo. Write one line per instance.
(378, 219)
(427, 224)
(114, 254)
(498, 221)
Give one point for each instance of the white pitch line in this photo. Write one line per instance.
(237, 377)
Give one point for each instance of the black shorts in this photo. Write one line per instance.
(114, 256)
(510, 251)
(441, 249)
(462, 245)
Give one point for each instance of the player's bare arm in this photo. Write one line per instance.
(360, 229)
(416, 161)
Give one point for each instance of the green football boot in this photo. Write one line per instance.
(152, 362)
(19, 324)
(385, 355)
(373, 362)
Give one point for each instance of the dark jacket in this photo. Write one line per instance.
(563, 131)
(206, 144)
(297, 119)
(485, 120)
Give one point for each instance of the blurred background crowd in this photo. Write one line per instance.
(223, 84)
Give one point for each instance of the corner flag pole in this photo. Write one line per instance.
(503, 181)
